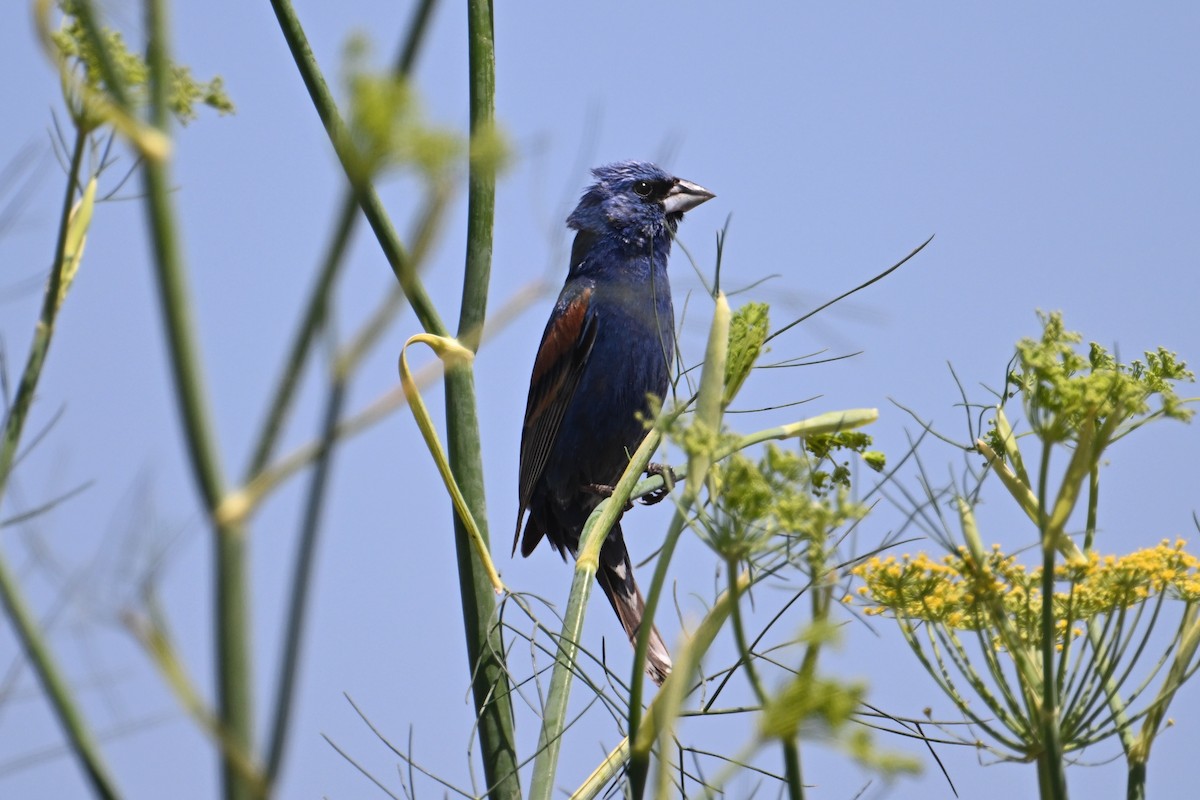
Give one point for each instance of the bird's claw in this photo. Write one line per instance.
(656, 496)
(604, 490)
(668, 476)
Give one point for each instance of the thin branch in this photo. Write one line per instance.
(25, 625)
(230, 590)
(844, 295)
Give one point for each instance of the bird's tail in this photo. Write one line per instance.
(615, 576)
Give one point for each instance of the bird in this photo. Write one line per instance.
(608, 346)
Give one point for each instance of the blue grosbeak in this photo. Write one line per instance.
(608, 345)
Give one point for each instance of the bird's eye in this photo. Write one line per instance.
(643, 188)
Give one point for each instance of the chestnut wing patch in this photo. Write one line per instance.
(560, 362)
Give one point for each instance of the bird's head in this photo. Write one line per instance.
(635, 200)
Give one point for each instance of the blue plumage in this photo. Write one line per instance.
(608, 344)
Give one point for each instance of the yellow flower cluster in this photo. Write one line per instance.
(958, 593)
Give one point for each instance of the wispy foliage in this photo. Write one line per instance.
(1049, 659)
(82, 55)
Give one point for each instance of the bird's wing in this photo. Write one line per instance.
(560, 361)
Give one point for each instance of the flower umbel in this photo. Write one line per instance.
(950, 591)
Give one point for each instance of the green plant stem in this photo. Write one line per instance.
(302, 579)
(667, 702)
(481, 182)
(364, 192)
(1051, 778)
(485, 650)
(1181, 668)
(709, 408)
(310, 324)
(1092, 506)
(1135, 788)
(418, 26)
(344, 364)
(791, 764)
(601, 520)
(1018, 486)
(489, 681)
(739, 633)
(230, 589)
(25, 625)
(639, 761)
(1111, 689)
(667, 706)
(791, 752)
(495, 718)
(314, 311)
(14, 422)
(172, 285)
(591, 539)
(80, 739)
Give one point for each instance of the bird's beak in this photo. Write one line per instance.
(684, 196)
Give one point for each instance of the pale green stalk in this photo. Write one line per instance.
(1028, 669)
(709, 408)
(668, 703)
(592, 538)
(686, 663)
(241, 502)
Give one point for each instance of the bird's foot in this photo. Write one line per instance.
(668, 476)
(604, 490)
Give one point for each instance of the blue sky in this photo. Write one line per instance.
(1050, 149)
